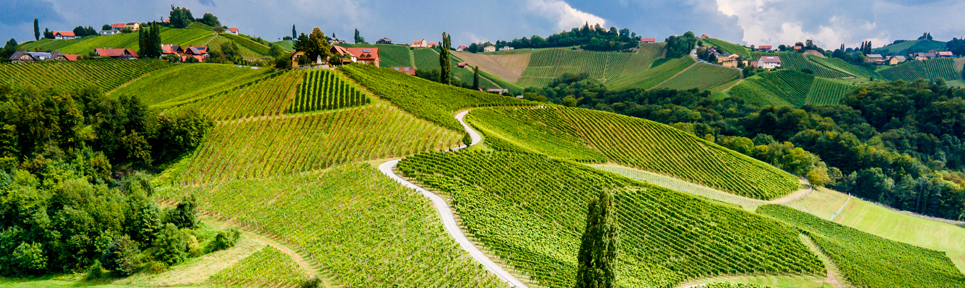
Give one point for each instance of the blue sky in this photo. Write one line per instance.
(829, 22)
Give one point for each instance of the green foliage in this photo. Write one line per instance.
(444, 60)
(185, 214)
(600, 244)
(425, 99)
(149, 41)
(842, 65)
(531, 130)
(777, 88)
(547, 65)
(171, 245)
(325, 89)
(702, 76)
(147, 222)
(121, 257)
(210, 20)
(256, 47)
(797, 61)
(312, 282)
(425, 59)
(267, 267)
(391, 227)
(679, 46)
(475, 78)
(66, 76)
(395, 55)
(179, 133)
(870, 261)
(593, 38)
(8, 49)
(224, 240)
(180, 17)
(931, 69)
(256, 96)
(314, 45)
(727, 47)
(27, 259)
(530, 211)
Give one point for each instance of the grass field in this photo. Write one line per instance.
(727, 47)
(83, 46)
(351, 221)
(821, 202)
(183, 79)
(547, 65)
(870, 261)
(931, 69)
(909, 47)
(530, 210)
(506, 67)
(65, 76)
(702, 76)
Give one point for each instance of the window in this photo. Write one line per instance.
(366, 50)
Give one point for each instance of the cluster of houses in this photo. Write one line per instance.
(27, 56)
(735, 61)
(895, 60)
(199, 53)
(368, 56)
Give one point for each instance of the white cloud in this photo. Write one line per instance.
(566, 16)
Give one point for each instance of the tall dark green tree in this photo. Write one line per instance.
(294, 35)
(599, 245)
(358, 38)
(36, 29)
(475, 78)
(149, 41)
(444, 61)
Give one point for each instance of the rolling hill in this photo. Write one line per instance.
(701, 76)
(931, 69)
(790, 88)
(910, 47)
(102, 74)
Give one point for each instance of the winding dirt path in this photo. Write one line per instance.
(445, 212)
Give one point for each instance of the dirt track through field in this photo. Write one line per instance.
(508, 67)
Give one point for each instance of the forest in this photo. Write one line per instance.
(896, 143)
(593, 38)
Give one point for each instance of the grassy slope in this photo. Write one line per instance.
(661, 70)
(188, 36)
(362, 227)
(104, 74)
(523, 130)
(547, 65)
(530, 211)
(727, 47)
(391, 55)
(703, 76)
(267, 267)
(638, 65)
(777, 88)
(182, 79)
(931, 69)
(798, 61)
(906, 47)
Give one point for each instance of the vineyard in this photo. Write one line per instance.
(65, 76)
(360, 226)
(727, 47)
(660, 148)
(638, 64)
(838, 64)
(184, 37)
(871, 261)
(661, 72)
(267, 267)
(777, 88)
(702, 76)
(530, 211)
(681, 186)
(548, 65)
(827, 92)
(249, 44)
(797, 61)
(268, 96)
(425, 99)
(522, 129)
(931, 69)
(182, 80)
(426, 59)
(326, 89)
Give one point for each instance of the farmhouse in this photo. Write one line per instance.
(648, 40)
(765, 48)
(507, 48)
(118, 26)
(109, 32)
(368, 56)
(704, 36)
(731, 60)
(875, 58)
(769, 62)
(433, 44)
(64, 35)
(406, 70)
(462, 64)
(895, 60)
(498, 91)
(461, 48)
(134, 26)
(384, 41)
(232, 31)
(420, 44)
(117, 53)
(944, 54)
(168, 49)
(26, 56)
(489, 49)
(924, 56)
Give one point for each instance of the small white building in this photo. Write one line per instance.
(232, 31)
(769, 62)
(420, 43)
(489, 49)
(64, 35)
(507, 48)
(109, 32)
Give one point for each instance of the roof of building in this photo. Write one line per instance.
(71, 57)
(798, 48)
(945, 53)
(132, 23)
(432, 44)
(197, 50)
(899, 57)
(771, 59)
(114, 52)
(184, 58)
(463, 47)
(874, 56)
(340, 50)
(648, 40)
(765, 47)
(419, 42)
(234, 30)
(170, 49)
(364, 53)
(64, 33)
(118, 25)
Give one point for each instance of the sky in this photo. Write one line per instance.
(829, 23)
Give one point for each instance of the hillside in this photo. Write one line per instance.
(660, 71)
(909, 47)
(790, 88)
(799, 62)
(60, 75)
(547, 65)
(931, 69)
(727, 47)
(183, 79)
(701, 76)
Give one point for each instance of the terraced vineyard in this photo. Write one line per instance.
(638, 65)
(702, 76)
(184, 37)
(662, 70)
(871, 261)
(523, 129)
(66, 76)
(291, 144)
(827, 92)
(249, 44)
(425, 99)
(547, 65)
(351, 221)
(267, 267)
(183, 80)
(778, 88)
(325, 89)
(269, 96)
(838, 64)
(931, 69)
(530, 211)
(797, 61)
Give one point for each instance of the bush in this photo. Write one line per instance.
(171, 244)
(96, 271)
(185, 215)
(28, 259)
(224, 240)
(312, 282)
(121, 256)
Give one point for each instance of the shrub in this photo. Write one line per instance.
(171, 244)
(312, 282)
(28, 259)
(121, 256)
(185, 215)
(96, 271)
(224, 240)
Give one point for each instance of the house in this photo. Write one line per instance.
(406, 70)
(134, 26)
(117, 53)
(184, 58)
(420, 44)
(433, 44)
(462, 64)
(118, 26)
(731, 60)
(232, 31)
(201, 51)
(109, 32)
(498, 91)
(507, 48)
(704, 36)
(648, 40)
(461, 48)
(875, 58)
(384, 41)
(798, 47)
(925, 56)
(765, 48)
(334, 40)
(64, 35)
(895, 60)
(27, 56)
(71, 57)
(944, 54)
(168, 49)
(489, 49)
(769, 62)
(368, 56)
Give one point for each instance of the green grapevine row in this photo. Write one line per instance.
(269, 96)
(702, 76)
(267, 267)
(530, 210)
(185, 81)
(105, 74)
(243, 41)
(325, 89)
(827, 92)
(797, 61)
(931, 69)
(547, 65)
(871, 261)
(351, 221)
(425, 99)
(727, 47)
(778, 88)
(523, 129)
(281, 145)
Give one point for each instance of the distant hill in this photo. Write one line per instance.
(931, 69)
(909, 47)
(790, 88)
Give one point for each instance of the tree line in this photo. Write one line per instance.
(593, 38)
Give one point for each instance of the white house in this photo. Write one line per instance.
(420, 44)
(109, 32)
(489, 49)
(769, 62)
(507, 48)
(64, 35)
(232, 31)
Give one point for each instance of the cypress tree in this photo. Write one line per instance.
(599, 245)
(475, 78)
(36, 30)
(444, 61)
(294, 35)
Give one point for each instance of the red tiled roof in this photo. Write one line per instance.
(118, 25)
(463, 47)
(340, 50)
(418, 42)
(406, 70)
(197, 50)
(648, 40)
(431, 44)
(765, 47)
(71, 57)
(116, 52)
(770, 59)
(170, 49)
(184, 58)
(233, 30)
(364, 53)
(64, 33)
